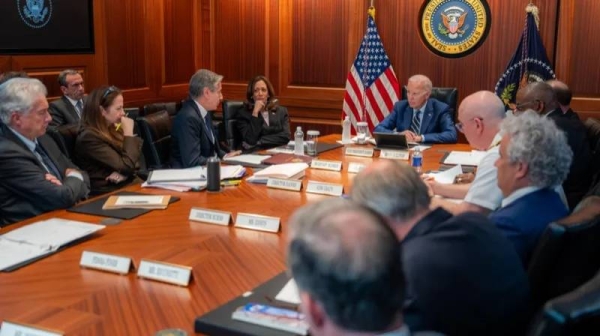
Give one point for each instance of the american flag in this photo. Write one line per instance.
(372, 87)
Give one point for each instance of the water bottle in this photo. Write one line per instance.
(299, 141)
(346, 130)
(213, 180)
(417, 160)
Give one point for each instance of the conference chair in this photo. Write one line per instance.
(65, 137)
(574, 313)
(448, 95)
(155, 129)
(233, 138)
(567, 255)
(149, 109)
(592, 126)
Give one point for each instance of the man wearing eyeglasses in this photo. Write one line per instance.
(35, 177)
(68, 109)
(420, 118)
(541, 98)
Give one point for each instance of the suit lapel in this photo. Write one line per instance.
(9, 135)
(205, 133)
(427, 116)
(71, 109)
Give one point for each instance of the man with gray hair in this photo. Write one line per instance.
(68, 109)
(348, 268)
(35, 177)
(193, 137)
(463, 277)
(420, 118)
(534, 157)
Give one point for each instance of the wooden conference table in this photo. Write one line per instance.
(56, 293)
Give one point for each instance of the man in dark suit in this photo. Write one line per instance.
(193, 137)
(463, 276)
(563, 97)
(534, 157)
(35, 177)
(540, 97)
(420, 118)
(68, 109)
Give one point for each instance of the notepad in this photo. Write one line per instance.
(247, 158)
(177, 175)
(136, 202)
(471, 158)
(292, 171)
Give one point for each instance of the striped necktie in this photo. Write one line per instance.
(415, 126)
(48, 163)
(79, 107)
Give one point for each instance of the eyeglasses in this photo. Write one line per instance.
(460, 126)
(108, 91)
(523, 106)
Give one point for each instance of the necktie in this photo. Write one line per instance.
(208, 123)
(79, 107)
(415, 127)
(48, 163)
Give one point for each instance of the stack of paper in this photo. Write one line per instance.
(291, 171)
(189, 178)
(447, 176)
(136, 202)
(251, 159)
(41, 238)
(471, 158)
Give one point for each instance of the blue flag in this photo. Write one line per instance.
(528, 64)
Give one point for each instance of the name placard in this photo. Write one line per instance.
(9, 328)
(394, 154)
(358, 151)
(257, 222)
(355, 167)
(294, 185)
(105, 262)
(165, 272)
(210, 216)
(332, 189)
(327, 165)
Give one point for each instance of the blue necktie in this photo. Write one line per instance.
(415, 127)
(50, 166)
(208, 123)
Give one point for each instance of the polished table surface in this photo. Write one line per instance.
(57, 293)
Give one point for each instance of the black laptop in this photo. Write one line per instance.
(391, 141)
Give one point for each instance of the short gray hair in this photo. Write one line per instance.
(203, 79)
(348, 259)
(394, 190)
(62, 76)
(537, 141)
(18, 95)
(423, 80)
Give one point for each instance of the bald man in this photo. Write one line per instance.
(563, 96)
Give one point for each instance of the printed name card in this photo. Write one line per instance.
(327, 165)
(394, 154)
(105, 262)
(359, 151)
(165, 272)
(332, 189)
(257, 222)
(210, 216)
(16, 329)
(355, 167)
(294, 185)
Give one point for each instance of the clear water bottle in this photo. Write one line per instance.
(417, 160)
(299, 141)
(346, 130)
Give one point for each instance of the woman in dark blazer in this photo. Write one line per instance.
(106, 147)
(261, 121)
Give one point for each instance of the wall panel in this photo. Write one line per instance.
(586, 78)
(178, 41)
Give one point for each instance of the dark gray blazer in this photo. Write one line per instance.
(63, 112)
(24, 190)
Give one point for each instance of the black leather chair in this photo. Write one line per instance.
(65, 137)
(155, 129)
(575, 313)
(592, 126)
(149, 109)
(233, 138)
(566, 256)
(446, 95)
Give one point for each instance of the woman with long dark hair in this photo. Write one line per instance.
(106, 147)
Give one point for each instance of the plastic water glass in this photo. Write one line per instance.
(361, 132)
(312, 138)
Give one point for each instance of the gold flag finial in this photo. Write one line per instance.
(531, 8)
(371, 12)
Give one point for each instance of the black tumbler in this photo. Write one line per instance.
(213, 167)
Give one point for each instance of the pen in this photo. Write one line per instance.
(231, 182)
(119, 124)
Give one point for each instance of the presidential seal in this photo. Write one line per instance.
(454, 28)
(35, 13)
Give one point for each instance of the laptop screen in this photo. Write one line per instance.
(391, 141)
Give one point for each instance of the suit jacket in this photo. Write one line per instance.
(463, 277)
(190, 145)
(24, 190)
(436, 123)
(579, 179)
(570, 114)
(256, 132)
(63, 112)
(524, 220)
(100, 158)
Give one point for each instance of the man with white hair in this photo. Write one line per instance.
(35, 177)
(534, 157)
(420, 118)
